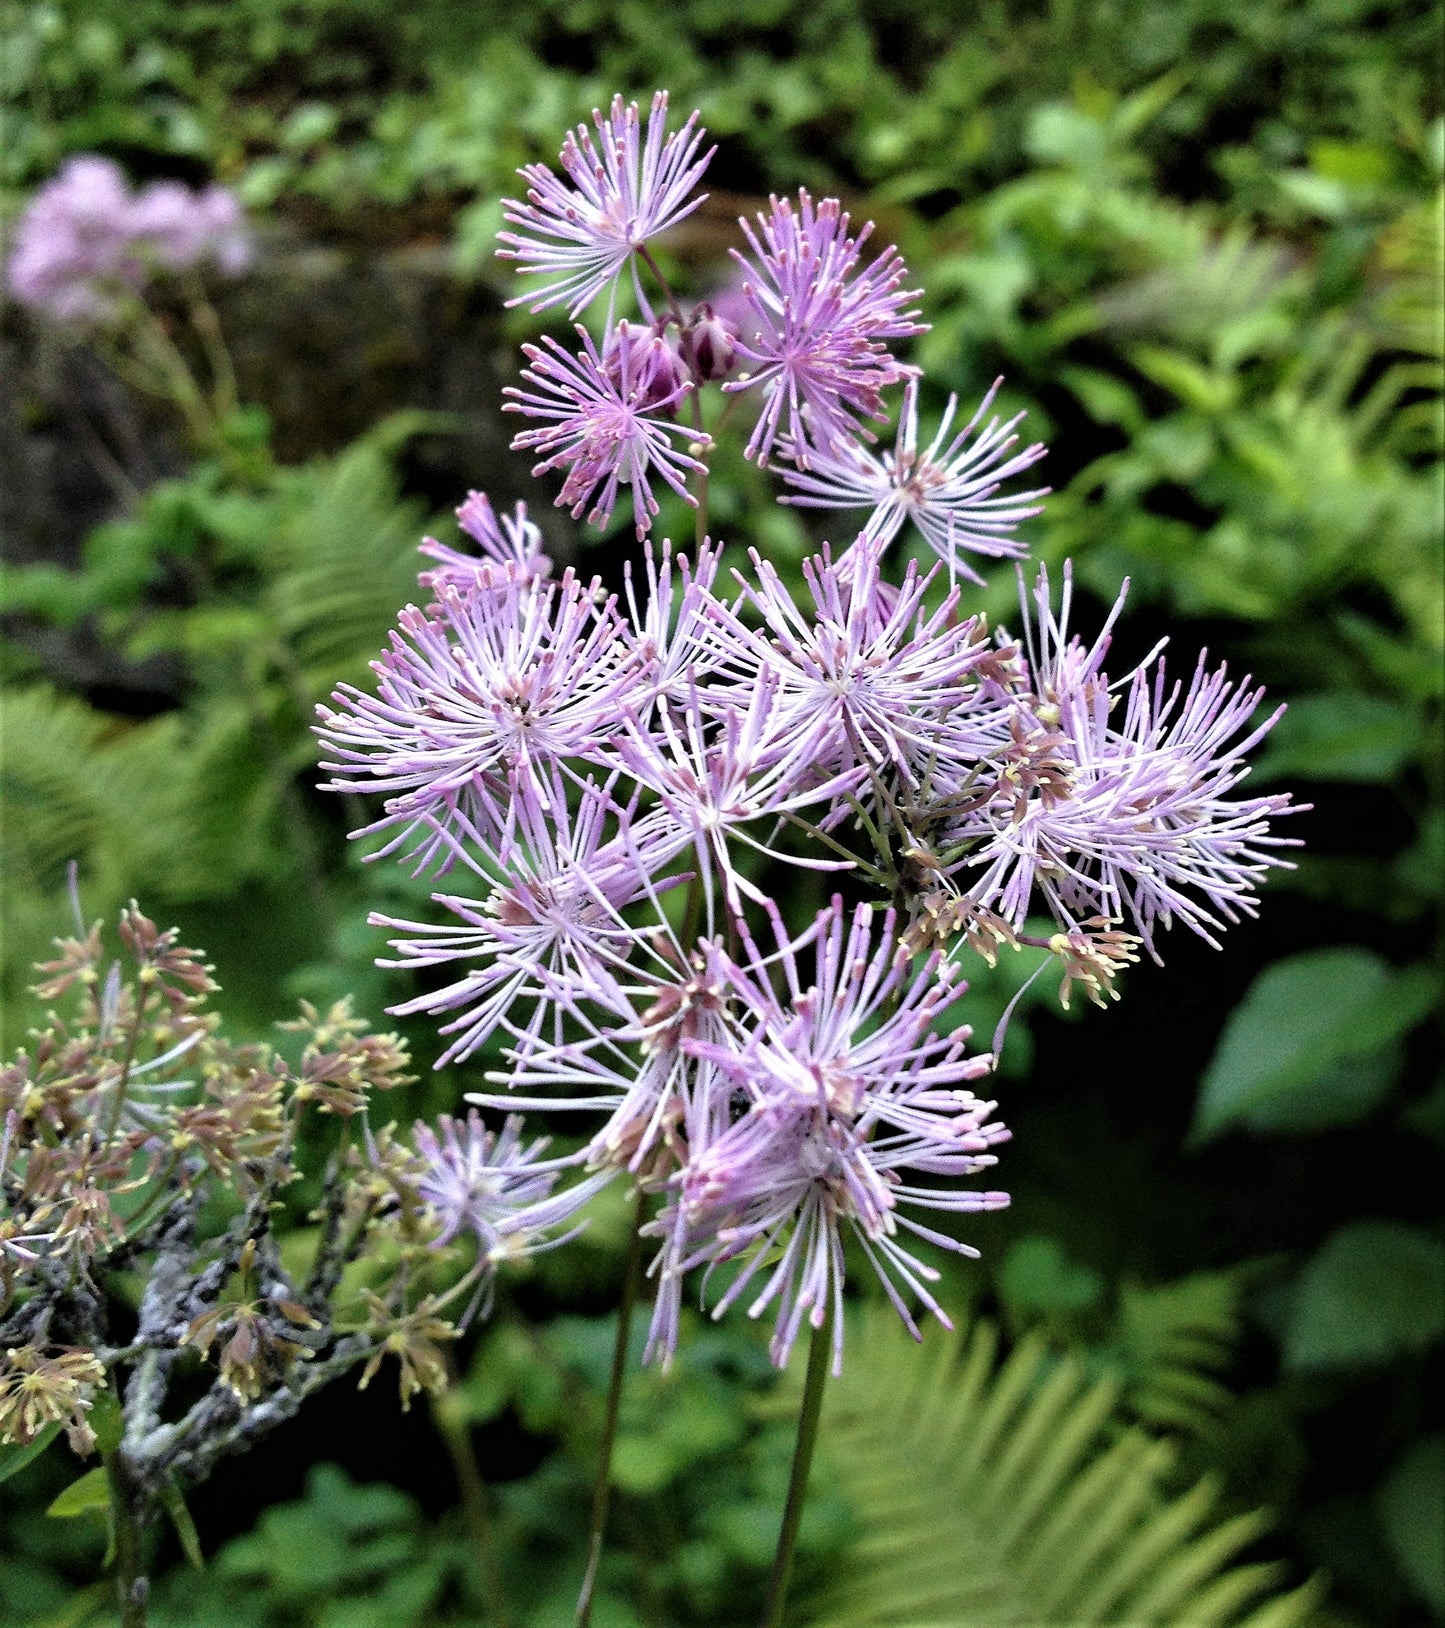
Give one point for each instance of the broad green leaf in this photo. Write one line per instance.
(1342, 1094)
(90, 1492)
(1411, 1510)
(1375, 1291)
(13, 1459)
(1301, 1022)
(1341, 736)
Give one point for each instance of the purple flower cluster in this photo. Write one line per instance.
(86, 241)
(616, 784)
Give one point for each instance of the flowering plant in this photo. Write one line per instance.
(611, 787)
(137, 1141)
(87, 250)
(621, 779)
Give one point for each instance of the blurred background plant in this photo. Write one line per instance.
(1204, 246)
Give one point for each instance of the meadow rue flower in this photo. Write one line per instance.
(179, 228)
(75, 252)
(847, 1087)
(663, 1104)
(509, 541)
(950, 490)
(714, 780)
(557, 889)
(488, 684)
(626, 187)
(610, 422)
(1134, 822)
(479, 1181)
(623, 776)
(864, 679)
(39, 1388)
(820, 351)
(673, 632)
(86, 242)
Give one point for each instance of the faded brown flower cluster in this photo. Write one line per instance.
(136, 1139)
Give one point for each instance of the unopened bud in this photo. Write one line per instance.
(714, 343)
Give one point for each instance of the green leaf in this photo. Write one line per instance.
(1037, 1276)
(1411, 1509)
(184, 1525)
(107, 1420)
(90, 1492)
(1303, 1021)
(1342, 736)
(1375, 1291)
(13, 1459)
(1205, 390)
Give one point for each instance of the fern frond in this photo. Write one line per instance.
(1174, 1340)
(995, 1493)
(347, 561)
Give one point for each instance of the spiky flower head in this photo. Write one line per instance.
(509, 543)
(480, 1181)
(483, 687)
(950, 490)
(1135, 822)
(611, 422)
(847, 1088)
(625, 187)
(819, 350)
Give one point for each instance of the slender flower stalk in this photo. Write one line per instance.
(810, 1414)
(602, 1488)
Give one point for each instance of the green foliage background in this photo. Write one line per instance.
(1203, 243)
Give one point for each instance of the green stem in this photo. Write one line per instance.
(159, 351)
(207, 325)
(449, 1412)
(819, 1351)
(602, 1490)
(131, 1587)
(112, 1123)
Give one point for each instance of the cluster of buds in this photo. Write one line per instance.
(614, 784)
(136, 1139)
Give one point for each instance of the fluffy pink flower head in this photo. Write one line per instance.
(848, 1087)
(180, 229)
(86, 242)
(625, 188)
(950, 490)
(610, 422)
(1134, 820)
(75, 252)
(823, 322)
(499, 681)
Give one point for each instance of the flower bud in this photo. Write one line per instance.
(656, 371)
(714, 343)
